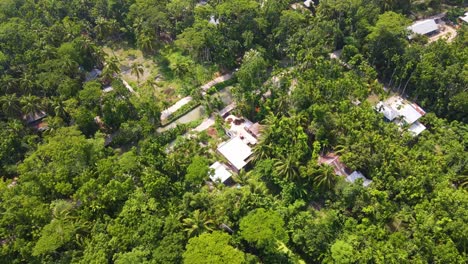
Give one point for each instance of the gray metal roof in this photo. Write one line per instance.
(424, 27)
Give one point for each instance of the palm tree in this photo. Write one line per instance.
(137, 70)
(325, 177)
(111, 68)
(145, 41)
(180, 66)
(10, 84)
(26, 82)
(58, 108)
(101, 27)
(261, 150)
(462, 180)
(61, 209)
(68, 64)
(287, 167)
(113, 65)
(197, 224)
(283, 103)
(10, 105)
(242, 177)
(30, 104)
(89, 47)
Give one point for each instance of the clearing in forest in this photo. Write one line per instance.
(168, 76)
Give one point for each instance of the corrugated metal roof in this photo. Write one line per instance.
(424, 27)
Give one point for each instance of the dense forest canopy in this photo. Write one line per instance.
(92, 173)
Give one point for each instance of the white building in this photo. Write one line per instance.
(236, 152)
(219, 172)
(402, 112)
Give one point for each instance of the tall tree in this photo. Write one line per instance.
(263, 228)
(212, 248)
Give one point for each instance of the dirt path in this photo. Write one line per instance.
(169, 111)
(215, 81)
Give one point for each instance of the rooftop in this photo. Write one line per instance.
(238, 126)
(92, 75)
(236, 152)
(220, 172)
(465, 17)
(357, 175)
(255, 130)
(416, 128)
(424, 27)
(333, 160)
(396, 106)
(33, 117)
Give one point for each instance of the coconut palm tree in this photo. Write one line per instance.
(26, 82)
(10, 105)
(325, 177)
(197, 224)
(58, 108)
(287, 167)
(145, 41)
(68, 65)
(242, 177)
(462, 180)
(9, 84)
(113, 65)
(111, 69)
(30, 104)
(137, 70)
(180, 65)
(262, 150)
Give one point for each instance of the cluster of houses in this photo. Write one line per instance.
(237, 151)
(403, 113)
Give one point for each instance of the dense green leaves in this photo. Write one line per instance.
(212, 248)
(263, 228)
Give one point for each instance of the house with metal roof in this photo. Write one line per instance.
(34, 117)
(340, 169)
(402, 112)
(425, 27)
(358, 175)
